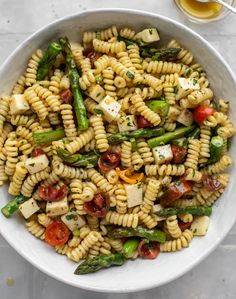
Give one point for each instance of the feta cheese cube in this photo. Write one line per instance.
(73, 220)
(185, 118)
(96, 92)
(18, 104)
(200, 225)
(148, 35)
(56, 208)
(28, 208)
(186, 86)
(162, 154)
(110, 108)
(134, 194)
(127, 123)
(36, 164)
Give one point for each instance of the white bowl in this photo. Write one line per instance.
(140, 274)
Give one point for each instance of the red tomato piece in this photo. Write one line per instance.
(202, 112)
(109, 160)
(50, 193)
(142, 122)
(184, 225)
(37, 151)
(179, 153)
(211, 184)
(66, 96)
(91, 54)
(98, 206)
(148, 249)
(57, 233)
(175, 191)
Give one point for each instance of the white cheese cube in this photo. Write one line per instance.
(96, 92)
(156, 208)
(134, 194)
(127, 123)
(73, 220)
(28, 208)
(148, 35)
(185, 118)
(162, 154)
(18, 104)
(110, 108)
(200, 225)
(36, 164)
(56, 208)
(186, 86)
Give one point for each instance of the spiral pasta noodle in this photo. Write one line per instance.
(173, 227)
(31, 71)
(161, 67)
(148, 220)
(68, 121)
(127, 33)
(145, 151)
(80, 141)
(36, 103)
(69, 172)
(219, 166)
(125, 220)
(108, 79)
(93, 222)
(205, 136)
(153, 187)
(44, 219)
(35, 229)
(121, 199)
(18, 178)
(136, 160)
(4, 109)
(76, 187)
(55, 81)
(112, 176)
(116, 244)
(99, 132)
(192, 159)
(126, 153)
(106, 47)
(19, 87)
(46, 95)
(101, 64)
(227, 130)
(173, 170)
(99, 180)
(89, 189)
(178, 244)
(193, 175)
(196, 98)
(11, 153)
(32, 180)
(153, 117)
(186, 217)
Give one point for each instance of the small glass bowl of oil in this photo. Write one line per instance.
(203, 12)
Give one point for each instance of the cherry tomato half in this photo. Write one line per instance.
(98, 206)
(211, 184)
(66, 96)
(142, 122)
(179, 154)
(184, 225)
(175, 191)
(201, 113)
(37, 151)
(50, 193)
(148, 249)
(109, 160)
(57, 233)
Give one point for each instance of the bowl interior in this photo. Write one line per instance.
(141, 274)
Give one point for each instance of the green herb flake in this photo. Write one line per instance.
(70, 216)
(98, 94)
(32, 164)
(194, 81)
(130, 75)
(150, 31)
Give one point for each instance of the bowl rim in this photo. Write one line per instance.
(203, 255)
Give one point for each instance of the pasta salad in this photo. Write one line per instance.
(114, 148)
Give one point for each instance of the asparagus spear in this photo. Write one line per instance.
(167, 54)
(48, 136)
(78, 103)
(139, 231)
(100, 262)
(130, 247)
(13, 205)
(195, 133)
(78, 160)
(194, 210)
(180, 132)
(145, 133)
(48, 60)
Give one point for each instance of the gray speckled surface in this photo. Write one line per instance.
(215, 276)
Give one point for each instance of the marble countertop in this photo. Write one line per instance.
(214, 277)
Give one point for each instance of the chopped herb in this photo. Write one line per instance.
(195, 230)
(76, 233)
(70, 216)
(150, 31)
(98, 94)
(98, 111)
(32, 164)
(188, 72)
(194, 81)
(130, 75)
